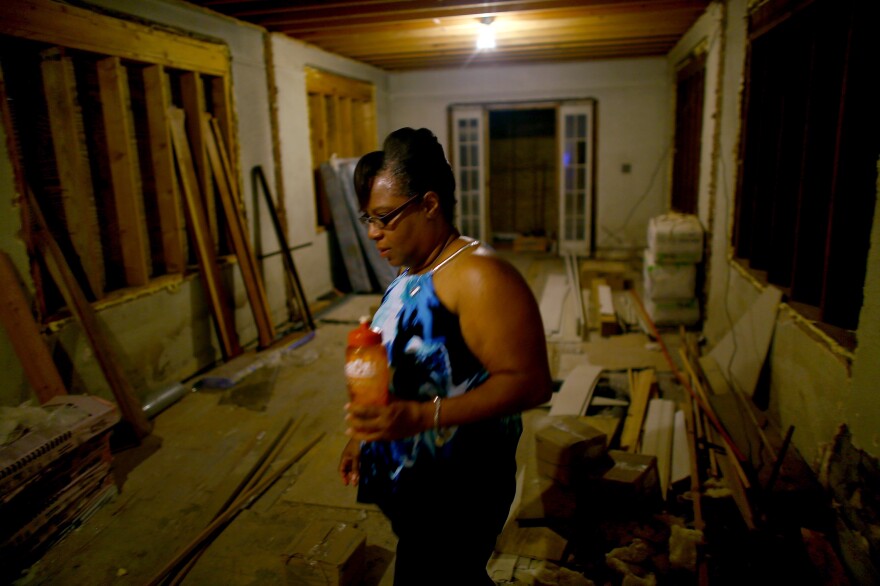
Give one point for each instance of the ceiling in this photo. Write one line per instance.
(398, 35)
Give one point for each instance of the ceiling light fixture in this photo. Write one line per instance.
(486, 36)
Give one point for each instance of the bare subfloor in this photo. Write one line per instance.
(201, 447)
(172, 485)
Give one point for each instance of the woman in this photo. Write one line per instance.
(467, 351)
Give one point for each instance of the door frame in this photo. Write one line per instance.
(586, 106)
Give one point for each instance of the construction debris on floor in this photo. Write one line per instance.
(651, 464)
(690, 483)
(54, 472)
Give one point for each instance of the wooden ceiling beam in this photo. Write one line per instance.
(376, 50)
(534, 49)
(364, 18)
(389, 43)
(483, 61)
(399, 9)
(579, 25)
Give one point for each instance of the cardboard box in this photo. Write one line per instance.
(565, 444)
(630, 474)
(326, 553)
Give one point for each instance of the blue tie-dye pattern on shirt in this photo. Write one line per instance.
(428, 358)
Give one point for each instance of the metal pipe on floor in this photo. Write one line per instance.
(163, 399)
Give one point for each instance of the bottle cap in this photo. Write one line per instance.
(364, 335)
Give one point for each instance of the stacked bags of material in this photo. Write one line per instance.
(675, 249)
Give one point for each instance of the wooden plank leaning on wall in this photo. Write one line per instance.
(76, 301)
(200, 234)
(194, 105)
(24, 333)
(230, 199)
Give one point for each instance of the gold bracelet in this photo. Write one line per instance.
(439, 435)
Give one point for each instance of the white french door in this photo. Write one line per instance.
(467, 163)
(575, 135)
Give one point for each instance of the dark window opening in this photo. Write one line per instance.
(809, 151)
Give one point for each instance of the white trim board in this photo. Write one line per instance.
(574, 395)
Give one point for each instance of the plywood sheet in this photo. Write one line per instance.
(742, 352)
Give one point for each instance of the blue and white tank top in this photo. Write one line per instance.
(428, 358)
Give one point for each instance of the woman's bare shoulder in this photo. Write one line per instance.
(485, 270)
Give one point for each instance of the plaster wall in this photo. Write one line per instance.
(632, 117)
(815, 385)
(289, 58)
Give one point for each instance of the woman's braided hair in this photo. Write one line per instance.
(415, 160)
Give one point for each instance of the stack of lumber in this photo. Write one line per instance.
(602, 278)
(54, 472)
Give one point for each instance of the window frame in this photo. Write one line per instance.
(342, 122)
(806, 182)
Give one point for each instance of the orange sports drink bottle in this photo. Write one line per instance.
(366, 366)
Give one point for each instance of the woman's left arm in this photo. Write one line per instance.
(501, 325)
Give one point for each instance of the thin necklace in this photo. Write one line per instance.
(452, 238)
(418, 286)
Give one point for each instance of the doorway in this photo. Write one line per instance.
(526, 171)
(522, 174)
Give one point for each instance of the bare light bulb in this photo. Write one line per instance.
(486, 36)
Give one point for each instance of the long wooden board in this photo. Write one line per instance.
(129, 407)
(28, 344)
(241, 245)
(640, 393)
(201, 237)
(192, 92)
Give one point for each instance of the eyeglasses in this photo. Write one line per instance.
(383, 220)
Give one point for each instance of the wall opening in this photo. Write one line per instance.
(522, 173)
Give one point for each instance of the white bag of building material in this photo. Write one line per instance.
(668, 280)
(676, 237)
(673, 312)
